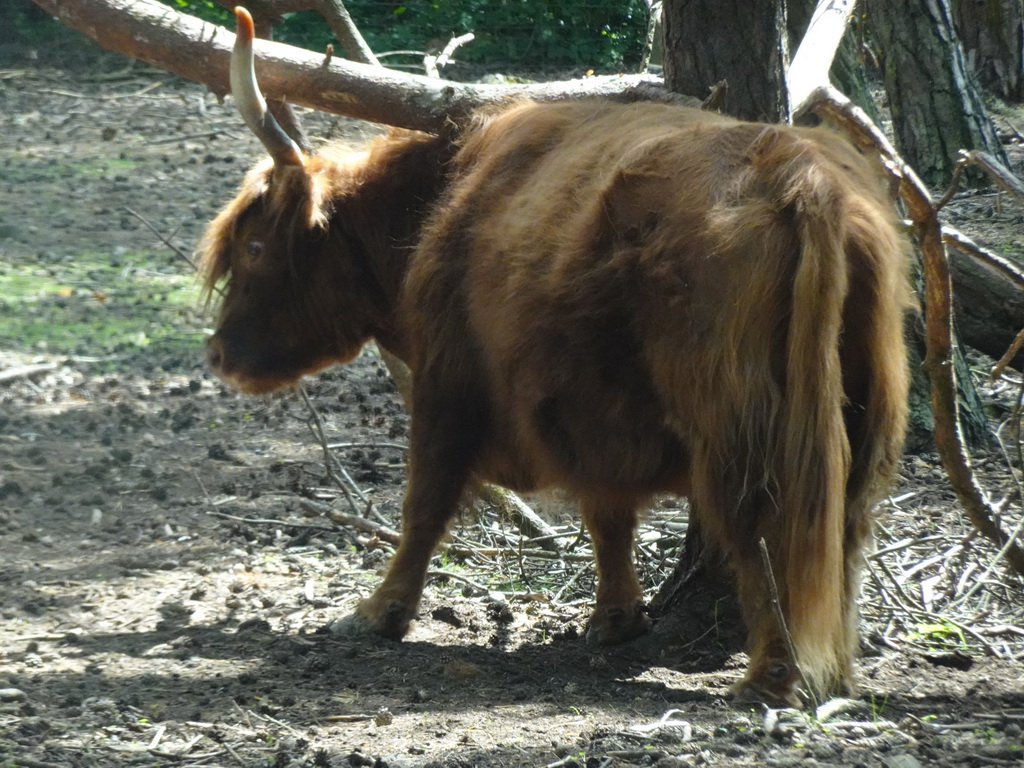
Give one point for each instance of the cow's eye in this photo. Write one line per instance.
(254, 249)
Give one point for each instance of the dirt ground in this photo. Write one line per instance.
(171, 575)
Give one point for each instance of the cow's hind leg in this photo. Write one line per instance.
(772, 677)
(619, 614)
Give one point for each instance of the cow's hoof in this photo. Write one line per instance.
(387, 618)
(352, 627)
(776, 687)
(617, 623)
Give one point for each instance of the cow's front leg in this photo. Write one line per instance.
(441, 453)
(619, 614)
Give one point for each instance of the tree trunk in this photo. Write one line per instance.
(743, 42)
(935, 104)
(697, 601)
(921, 424)
(992, 32)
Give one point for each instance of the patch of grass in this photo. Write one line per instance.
(22, 168)
(940, 635)
(878, 707)
(100, 166)
(90, 308)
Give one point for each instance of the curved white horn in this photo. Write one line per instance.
(250, 102)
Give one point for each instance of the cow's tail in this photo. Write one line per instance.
(814, 452)
(848, 263)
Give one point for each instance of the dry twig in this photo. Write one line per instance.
(382, 532)
(25, 371)
(780, 618)
(177, 251)
(505, 501)
(996, 171)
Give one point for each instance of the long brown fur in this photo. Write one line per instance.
(619, 300)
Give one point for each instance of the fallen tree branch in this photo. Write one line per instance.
(949, 441)
(25, 371)
(382, 532)
(317, 427)
(199, 51)
(507, 503)
(1011, 352)
(335, 471)
(993, 261)
(520, 514)
(1001, 266)
(391, 536)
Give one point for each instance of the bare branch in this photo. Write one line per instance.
(1004, 361)
(345, 29)
(317, 427)
(833, 105)
(998, 172)
(508, 504)
(780, 618)
(434, 64)
(334, 12)
(382, 532)
(149, 225)
(520, 514)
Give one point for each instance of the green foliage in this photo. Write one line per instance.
(592, 33)
(24, 22)
(131, 309)
(941, 634)
(598, 34)
(93, 308)
(207, 10)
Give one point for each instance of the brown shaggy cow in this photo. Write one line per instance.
(619, 300)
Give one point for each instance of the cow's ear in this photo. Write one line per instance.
(321, 201)
(301, 194)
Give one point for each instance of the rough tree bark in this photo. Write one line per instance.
(935, 103)
(742, 42)
(992, 32)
